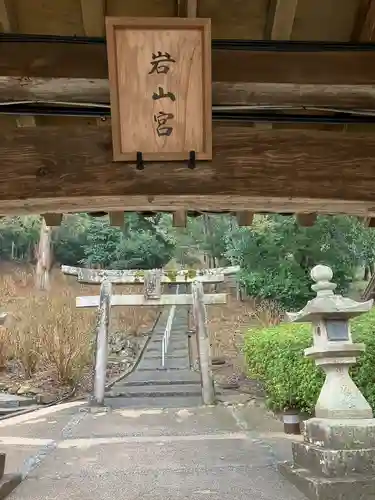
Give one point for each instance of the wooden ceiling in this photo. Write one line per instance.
(58, 164)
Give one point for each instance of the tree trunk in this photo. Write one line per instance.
(44, 258)
(367, 273)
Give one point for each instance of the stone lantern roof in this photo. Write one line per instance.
(327, 303)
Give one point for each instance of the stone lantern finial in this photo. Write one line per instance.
(322, 276)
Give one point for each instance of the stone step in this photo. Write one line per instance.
(155, 391)
(171, 354)
(163, 376)
(15, 401)
(6, 410)
(171, 364)
(159, 382)
(174, 344)
(164, 402)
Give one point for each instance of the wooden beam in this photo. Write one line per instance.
(116, 219)
(86, 60)
(26, 121)
(247, 163)
(306, 220)
(187, 8)
(252, 94)
(245, 218)
(93, 15)
(5, 24)
(281, 15)
(180, 218)
(364, 26)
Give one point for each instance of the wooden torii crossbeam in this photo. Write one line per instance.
(152, 295)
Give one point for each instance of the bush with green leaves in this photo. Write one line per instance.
(275, 356)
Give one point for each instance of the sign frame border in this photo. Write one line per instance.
(204, 24)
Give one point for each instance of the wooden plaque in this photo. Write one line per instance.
(160, 88)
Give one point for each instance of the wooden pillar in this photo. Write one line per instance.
(44, 258)
(102, 343)
(208, 392)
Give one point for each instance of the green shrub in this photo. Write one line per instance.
(275, 355)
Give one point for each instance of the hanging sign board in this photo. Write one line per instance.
(160, 88)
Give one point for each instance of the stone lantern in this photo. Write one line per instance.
(337, 457)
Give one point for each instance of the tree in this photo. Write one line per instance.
(276, 255)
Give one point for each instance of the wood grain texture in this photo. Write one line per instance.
(247, 163)
(116, 219)
(280, 20)
(179, 218)
(244, 218)
(306, 220)
(52, 220)
(364, 26)
(262, 94)
(93, 15)
(64, 60)
(160, 88)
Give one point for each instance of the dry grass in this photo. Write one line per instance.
(227, 325)
(47, 333)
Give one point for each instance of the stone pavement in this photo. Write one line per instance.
(211, 453)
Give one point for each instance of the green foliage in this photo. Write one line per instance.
(19, 236)
(276, 255)
(275, 355)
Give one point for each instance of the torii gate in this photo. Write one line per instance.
(152, 295)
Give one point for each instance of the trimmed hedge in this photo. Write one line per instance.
(275, 356)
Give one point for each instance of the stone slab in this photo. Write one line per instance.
(154, 402)
(171, 354)
(202, 420)
(333, 463)
(162, 377)
(356, 487)
(8, 483)
(14, 401)
(155, 364)
(232, 468)
(154, 391)
(340, 434)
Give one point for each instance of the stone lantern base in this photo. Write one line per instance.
(7, 481)
(335, 461)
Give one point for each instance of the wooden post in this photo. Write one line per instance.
(152, 285)
(44, 258)
(208, 392)
(102, 343)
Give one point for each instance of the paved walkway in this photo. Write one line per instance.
(206, 453)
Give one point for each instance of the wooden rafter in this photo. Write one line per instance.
(75, 60)
(7, 16)
(180, 218)
(4, 16)
(364, 26)
(306, 220)
(187, 8)
(247, 163)
(93, 15)
(245, 218)
(281, 15)
(52, 220)
(116, 219)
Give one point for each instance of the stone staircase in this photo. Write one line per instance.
(151, 385)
